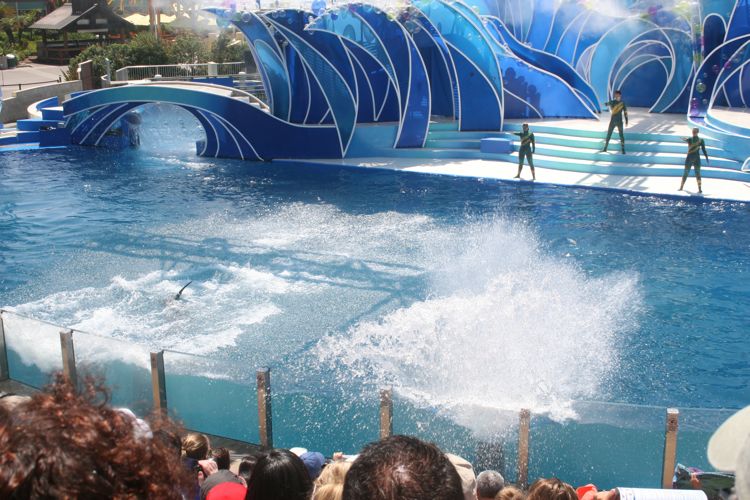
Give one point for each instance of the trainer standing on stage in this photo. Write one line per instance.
(693, 159)
(527, 149)
(618, 109)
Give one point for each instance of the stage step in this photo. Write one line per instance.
(602, 134)
(24, 137)
(456, 134)
(609, 165)
(614, 144)
(34, 124)
(456, 143)
(648, 157)
(53, 113)
(613, 166)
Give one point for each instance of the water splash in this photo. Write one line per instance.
(506, 326)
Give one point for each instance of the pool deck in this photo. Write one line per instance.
(713, 189)
(640, 122)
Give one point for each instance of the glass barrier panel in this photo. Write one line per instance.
(33, 348)
(605, 444)
(125, 366)
(217, 397)
(696, 425)
(333, 418)
(486, 437)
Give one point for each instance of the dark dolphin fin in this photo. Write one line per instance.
(179, 294)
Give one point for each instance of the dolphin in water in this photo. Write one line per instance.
(179, 294)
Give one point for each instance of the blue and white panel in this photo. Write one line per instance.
(337, 93)
(478, 73)
(388, 43)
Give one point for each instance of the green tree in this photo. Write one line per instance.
(119, 56)
(26, 19)
(226, 49)
(147, 50)
(188, 49)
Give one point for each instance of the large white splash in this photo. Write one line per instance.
(471, 318)
(506, 326)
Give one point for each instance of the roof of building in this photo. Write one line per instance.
(64, 17)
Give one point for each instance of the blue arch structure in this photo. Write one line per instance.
(475, 61)
(234, 128)
(390, 44)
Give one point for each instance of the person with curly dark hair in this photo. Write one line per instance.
(402, 467)
(64, 443)
(279, 475)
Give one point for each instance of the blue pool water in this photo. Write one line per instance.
(464, 294)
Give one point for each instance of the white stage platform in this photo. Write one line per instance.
(640, 122)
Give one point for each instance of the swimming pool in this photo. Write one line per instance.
(465, 294)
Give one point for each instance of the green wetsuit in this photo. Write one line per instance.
(693, 158)
(527, 149)
(618, 109)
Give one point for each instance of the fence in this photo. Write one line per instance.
(637, 445)
(236, 71)
(180, 71)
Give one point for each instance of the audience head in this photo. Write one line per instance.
(9, 401)
(195, 445)
(551, 489)
(279, 475)
(330, 483)
(510, 493)
(247, 464)
(314, 462)
(466, 473)
(402, 467)
(729, 450)
(221, 457)
(66, 443)
(489, 484)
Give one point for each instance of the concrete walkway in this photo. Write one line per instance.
(29, 75)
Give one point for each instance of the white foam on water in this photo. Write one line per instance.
(299, 249)
(506, 326)
(503, 324)
(143, 309)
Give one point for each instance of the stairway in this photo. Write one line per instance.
(46, 131)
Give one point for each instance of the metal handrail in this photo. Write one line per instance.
(179, 71)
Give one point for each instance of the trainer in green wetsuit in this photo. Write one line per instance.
(693, 159)
(618, 109)
(527, 149)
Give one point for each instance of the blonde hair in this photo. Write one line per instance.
(510, 493)
(330, 483)
(195, 445)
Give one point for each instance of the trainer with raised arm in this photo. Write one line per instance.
(693, 159)
(618, 110)
(527, 149)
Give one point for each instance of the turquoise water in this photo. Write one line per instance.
(474, 298)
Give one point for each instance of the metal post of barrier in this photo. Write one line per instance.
(68, 356)
(386, 412)
(4, 370)
(158, 382)
(670, 447)
(265, 426)
(524, 425)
